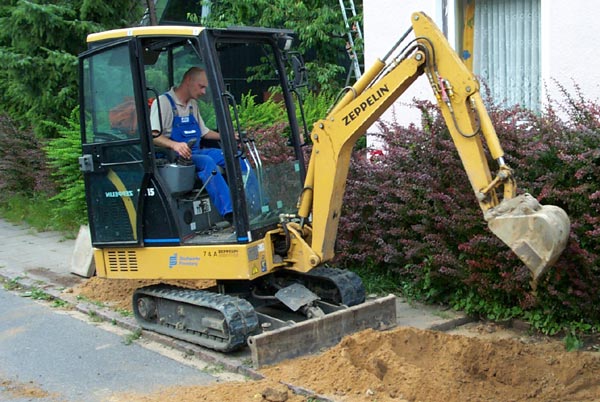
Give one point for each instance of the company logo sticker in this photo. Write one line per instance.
(176, 260)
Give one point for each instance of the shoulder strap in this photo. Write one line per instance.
(172, 102)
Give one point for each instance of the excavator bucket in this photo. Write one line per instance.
(536, 233)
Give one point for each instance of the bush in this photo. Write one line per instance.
(258, 116)
(23, 167)
(265, 114)
(63, 153)
(410, 208)
(411, 211)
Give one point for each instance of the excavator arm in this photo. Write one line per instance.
(537, 234)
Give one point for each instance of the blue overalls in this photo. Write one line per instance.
(186, 128)
(251, 185)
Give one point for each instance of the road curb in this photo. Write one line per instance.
(452, 324)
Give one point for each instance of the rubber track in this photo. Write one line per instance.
(239, 315)
(349, 285)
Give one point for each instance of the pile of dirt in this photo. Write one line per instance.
(408, 364)
(404, 364)
(418, 365)
(252, 391)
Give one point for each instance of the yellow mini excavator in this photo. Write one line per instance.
(150, 218)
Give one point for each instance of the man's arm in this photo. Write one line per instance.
(160, 139)
(207, 133)
(212, 135)
(180, 147)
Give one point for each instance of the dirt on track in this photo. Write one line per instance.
(117, 293)
(477, 363)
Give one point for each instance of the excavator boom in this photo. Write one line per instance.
(537, 234)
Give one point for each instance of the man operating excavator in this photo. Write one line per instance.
(179, 122)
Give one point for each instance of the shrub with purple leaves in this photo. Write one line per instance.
(409, 209)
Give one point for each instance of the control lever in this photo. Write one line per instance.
(242, 140)
(212, 175)
(191, 143)
(248, 144)
(187, 161)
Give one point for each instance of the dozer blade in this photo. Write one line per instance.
(313, 335)
(536, 233)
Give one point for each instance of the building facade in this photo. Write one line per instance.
(521, 50)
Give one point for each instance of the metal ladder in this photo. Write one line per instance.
(351, 31)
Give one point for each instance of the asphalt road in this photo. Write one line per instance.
(49, 354)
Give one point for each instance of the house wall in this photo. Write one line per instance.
(385, 21)
(568, 52)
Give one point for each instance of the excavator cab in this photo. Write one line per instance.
(141, 195)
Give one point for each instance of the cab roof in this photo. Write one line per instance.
(175, 30)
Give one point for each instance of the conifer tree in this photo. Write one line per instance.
(39, 43)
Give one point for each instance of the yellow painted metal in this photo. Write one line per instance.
(99, 263)
(457, 92)
(154, 30)
(301, 256)
(243, 261)
(359, 86)
(536, 234)
(469, 32)
(333, 140)
(306, 201)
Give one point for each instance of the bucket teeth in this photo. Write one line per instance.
(536, 233)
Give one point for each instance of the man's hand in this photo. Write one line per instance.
(182, 149)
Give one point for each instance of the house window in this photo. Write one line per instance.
(501, 43)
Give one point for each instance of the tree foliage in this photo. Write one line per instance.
(62, 152)
(318, 23)
(39, 43)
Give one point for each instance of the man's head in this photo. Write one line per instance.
(194, 83)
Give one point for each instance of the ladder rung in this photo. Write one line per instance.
(353, 29)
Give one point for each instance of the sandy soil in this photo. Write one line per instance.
(481, 362)
(117, 293)
(19, 390)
